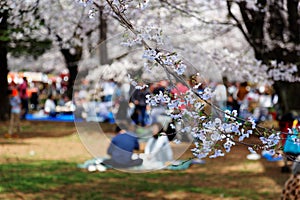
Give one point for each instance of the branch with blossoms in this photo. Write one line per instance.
(212, 134)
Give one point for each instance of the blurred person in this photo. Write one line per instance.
(139, 99)
(158, 150)
(61, 100)
(122, 91)
(69, 104)
(242, 91)
(65, 105)
(15, 103)
(265, 103)
(158, 110)
(121, 149)
(220, 96)
(24, 97)
(34, 100)
(121, 101)
(177, 92)
(243, 102)
(179, 89)
(108, 89)
(232, 103)
(50, 106)
(253, 103)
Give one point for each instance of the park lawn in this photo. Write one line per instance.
(51, 175)
(63, 180)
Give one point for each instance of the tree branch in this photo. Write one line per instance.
(239, 25)
(191, 14)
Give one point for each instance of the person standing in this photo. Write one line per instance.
(121, 100)
(24, 97)
(139, 99)
(220, 96)
(15, 103)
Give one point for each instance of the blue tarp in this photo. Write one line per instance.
(66, 118)
(58, 118)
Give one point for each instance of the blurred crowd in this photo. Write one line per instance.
(111, 100)
(47, 99)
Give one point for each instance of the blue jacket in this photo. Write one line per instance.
(122, 147)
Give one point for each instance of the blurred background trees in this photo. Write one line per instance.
(19, 28)
(243, 39)
(272, 29)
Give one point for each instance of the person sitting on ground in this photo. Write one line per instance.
(121, 149)
(158, 150)
(50, 107)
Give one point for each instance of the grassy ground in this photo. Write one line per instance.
(51, 172)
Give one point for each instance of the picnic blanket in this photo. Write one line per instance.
(95, 165)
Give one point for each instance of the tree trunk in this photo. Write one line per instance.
(103, 36)
(73, 71)
(72, 60)
(288, 94)
(4, 108)
(293, 19)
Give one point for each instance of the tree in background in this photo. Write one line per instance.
(272, 28)
(3, 64)
(19, 30)
(72, 28)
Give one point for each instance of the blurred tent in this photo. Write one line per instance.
(17, 77)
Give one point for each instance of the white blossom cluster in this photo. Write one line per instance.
(173, 61)
(123, 5)
(241, 68)
(158, 99)
(136, 84)
(283, 72)
(271, 140)
(168, 60)
(149, 33)
(206, 94)
(85, 2)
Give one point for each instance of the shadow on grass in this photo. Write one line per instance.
(13, 142)
(40, 129)
(273, 171)
(32, 129)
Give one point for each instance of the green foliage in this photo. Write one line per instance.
(4, 35)
(29, 47)
(28, 42)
